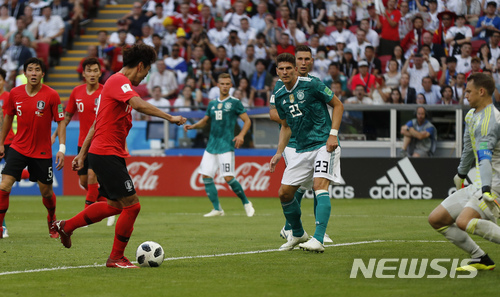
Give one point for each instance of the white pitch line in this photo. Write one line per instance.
(212, 256)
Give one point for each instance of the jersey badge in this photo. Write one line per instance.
(272, 99)
(292, 98)
(96, 101)
(228, 105)
(328, 91)
(60, 108)
(219, 106)
(126, 88)
(300, 95)
(40, 105)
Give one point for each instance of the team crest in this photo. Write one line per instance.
(129, 185)
(40, 105)
(300, 94)
(96, 101)
(219, 106)
(228, 105)
(292, 99)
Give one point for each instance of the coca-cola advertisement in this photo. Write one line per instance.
(178, 176)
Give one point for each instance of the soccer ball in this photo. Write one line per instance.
(149, 254)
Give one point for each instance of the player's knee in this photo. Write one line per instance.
(228, 178)
(285, 195)
(462, 223)
(437, 219)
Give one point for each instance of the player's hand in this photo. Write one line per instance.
(274, 161)
(178, 120)
(187, 127)
(332, 143)
(238, 141)
(77, 163)
(59, 160)
(2, 151)
(459, 182)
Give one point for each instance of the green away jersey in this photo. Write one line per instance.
(223, 115)
(305, 110)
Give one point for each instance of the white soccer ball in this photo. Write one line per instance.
(149, 254)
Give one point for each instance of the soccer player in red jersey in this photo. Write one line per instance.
(35, 105)
(105, 147)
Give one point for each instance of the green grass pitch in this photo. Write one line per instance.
(240, 257)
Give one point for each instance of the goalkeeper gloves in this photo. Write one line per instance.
(459, 179)
(489, 200)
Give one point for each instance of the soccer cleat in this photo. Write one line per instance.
(58, 226)
(285, 234)
(4, 233)
(327, 239)
(249, 209)
(111, 221)
(293, 241)
(214, 213)
(483, 263)
(123, 262)
(312, 245)
(52, 233)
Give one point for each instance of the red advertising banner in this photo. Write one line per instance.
(178, 176)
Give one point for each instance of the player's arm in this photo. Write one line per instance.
(61, 132)
(284, 138)
(6, 126)
(200, 124)
(238, 139)
(338, 109)
(77, 163)
(484, 148)
(67, 118)
(418, 135)
(147, 108)
(273, 114)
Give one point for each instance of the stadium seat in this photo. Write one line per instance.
(476, 44)
(383, 61)
(141, 90)
(205, 101)
(259, 102)
(330, 29)
(42, 52)
(353, 28)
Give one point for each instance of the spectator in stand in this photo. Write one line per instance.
(184, 46)
(156, 21)
(116, 51)
(334, 75)
(432, 92)
(196, 61)
(361, 9)
(247, 92)
(16, 8)
(336, 87)
(219, 35)
(186, 102)
(65, 10)
(21, 28)
(177, 63)
(433, 12)
(282, 22)
(448, 71)
(261, 80)
(425, 51)
(494, 48)
(232, 20)
(471, 9)
(348, 66)
(218, 7)
(158, 101)
(169, 7)
(261, 49)
(398, 55)
(17, 54)
(374, 18)
(234, 46)
(420, 136)
(324, 39)
(247, 34)
(359, 97)
(417, 71)
(221, 62)
(294, 7)
(317, 11)
(297, 37)
(184, 19)
(437, 50)
(341, 33)
(247, 65)
(136, 20)
(421, 100)
(31, 21)
(395, 97)
(206, 19)
(393, 76)
(358, 47)
(170, 34)
(258, 21)
(484, 56)
(408, 93)
(306, 25)
(364, 78)
(374, 64)
(458, 35)
(321, 64)
(205, 78)
(488, 23)
(414, 39)
(234, 71)
(91, 53)
(285, 46)
(372, 37)
(464, 59)
(37, 6)
(161, 51)
(121, 25)
(147, 34)
(446, 19)
(475, 67)
(165, 79)
(447, 96)
(50, 31)
(272, 30)
(339, 10)
(7, 23)
(458, 84)
(389, 37)
(27, 43)
(405, 22)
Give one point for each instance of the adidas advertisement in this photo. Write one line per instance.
(391, 178)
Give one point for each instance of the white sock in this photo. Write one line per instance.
(461, 239)
(484, 228)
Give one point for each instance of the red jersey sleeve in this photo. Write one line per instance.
(9, 108)
(56, 107)
(124, 91)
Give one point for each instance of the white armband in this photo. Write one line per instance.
(334, 132)
(62, 148)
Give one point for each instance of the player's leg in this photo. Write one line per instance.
(5, 188)
(208, 167)
(290, 157)
(93, 185)
(226, 165)
(404, 146)
(5, 233)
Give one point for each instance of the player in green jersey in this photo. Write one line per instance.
(223, 113)
(302, 107)
(304, 61)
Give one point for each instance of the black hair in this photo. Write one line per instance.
(139, 53)
(35, 61)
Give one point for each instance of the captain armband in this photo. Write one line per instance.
(484, 155)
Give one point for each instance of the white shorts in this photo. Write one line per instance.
(291, 157)
(302, 168)
(210, 163)
(467, 197)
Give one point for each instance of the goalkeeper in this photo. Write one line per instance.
(474, 209)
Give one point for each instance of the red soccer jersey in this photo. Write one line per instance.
(34, 117)
(85, 105)
(4, 99)
(113, 118)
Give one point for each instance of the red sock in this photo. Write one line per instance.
(4, 204)
(123, 229)
(92, 214)
(92, 193)
(50, 204)
(101, 199)
(25, 174)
